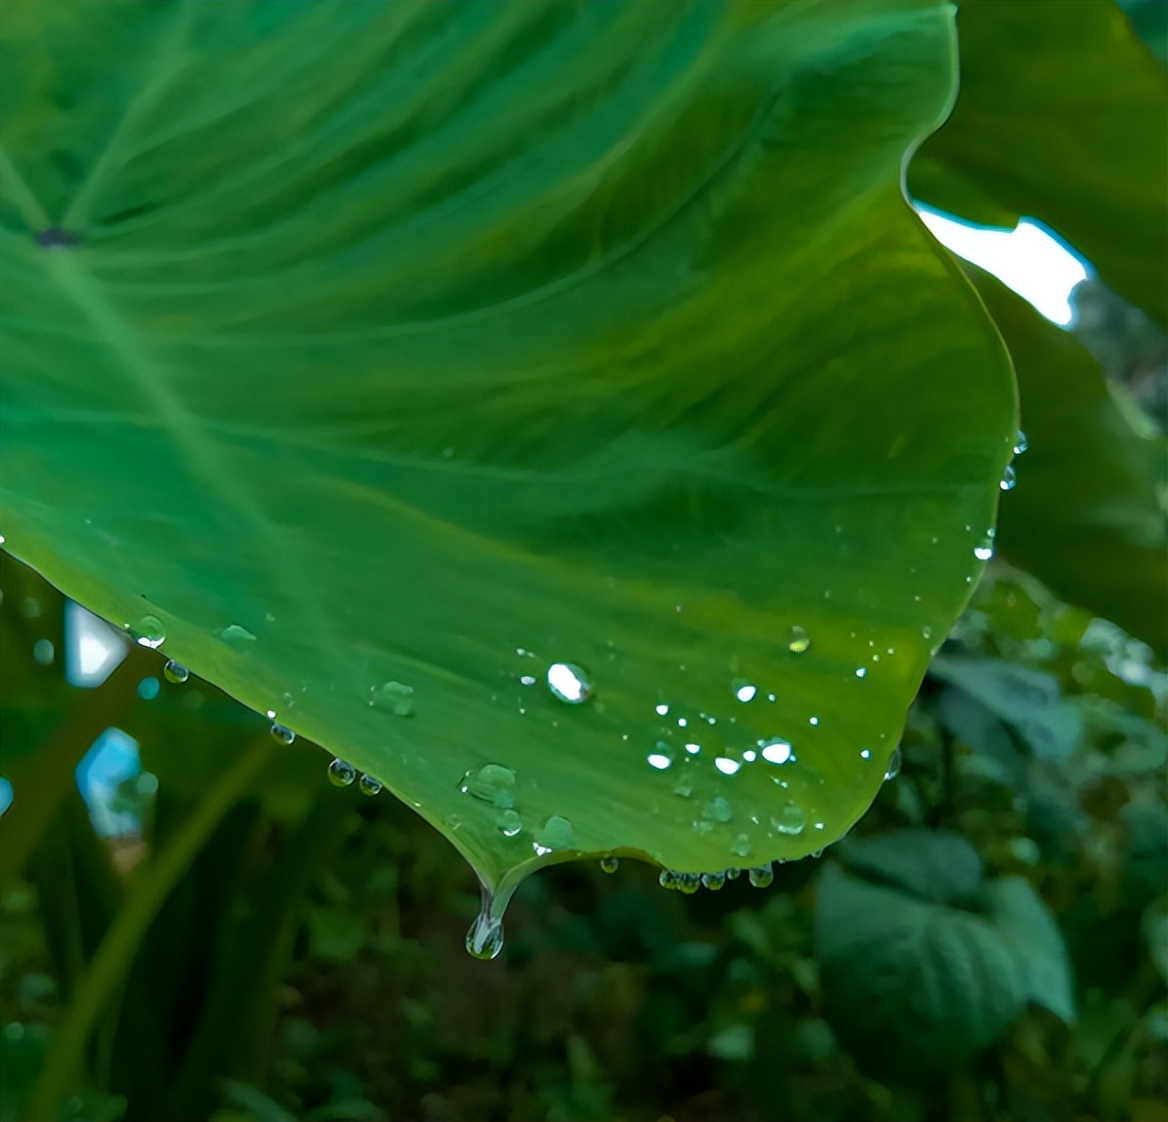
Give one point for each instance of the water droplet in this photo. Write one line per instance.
(791, 820)
(662, 757)
(733, 874)
(1009, 479)
(341, 773)
(862, 672)
(369, 785)
(669, 879)
(484, 940)
(683, 787)
(689, 883)
(662, 710)
(556, 833)
(741, 846)
(749, 756)
(984, 550)
(282, 734)
(926, 632)
(816, 854)
(893, 765)
(235, 636)
(717, 810)
(393, 697)
(175, 672)
(43, 652)
(744, 691)
(492, 784)
(509, 823)
(682, 723)
(726, 765)
(609, 864)
(800, 641)
(865, 754)
(148, 632)
(692, 748)
(1021, 444)
(527, 679)
(776, 751)
(815, 720)
(762, 876)
(714, 881)
(568, 683)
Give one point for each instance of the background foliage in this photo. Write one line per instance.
(234, 939)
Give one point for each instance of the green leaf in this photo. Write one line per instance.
(1087, 516)
(936, 866)
(381, 357)
(1060, 118)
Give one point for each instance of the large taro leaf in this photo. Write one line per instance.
(386, 355)
(1061, 118)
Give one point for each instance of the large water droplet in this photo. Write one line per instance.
(741, 846)
(609, 864)
(235, 636)
(1009, 479)
(149, 631)
(341, 773)
(777, 751)
(492, 784)
(800, 641)
(791, 820)
(893, 765)
(714, 881)
(175, 672)
(717, 810)
(569, 683)
(661, 757)
(393, 697)
(282, 734)
(762, 876)
(557, 832)
(484, 940)
(369, 785)
(744, 691)
(726, 765)
(662, 710)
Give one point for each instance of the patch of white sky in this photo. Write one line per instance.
(1029, 259)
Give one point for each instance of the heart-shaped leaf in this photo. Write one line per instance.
(555, 411)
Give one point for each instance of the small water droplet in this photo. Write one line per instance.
(726, 765)
(149, 631)
(717, 810)
(1021, 444)
(282, 734)
(714, 881)
(749, 756)
(508, 823)
(609, 864)
(1009, 479)
(692, 748)
(800, 641)
(744, 691)
(984, 550)
(661, 757)
(762, 876)
(683, 787)
(741, 846)
(893, 765)
(369, 785)
(777, 751)
(568, 683)
(682, 723)
(865, 753)
(815, 720)
(557, 832)
(393, 697)
(175, 672)
(791, 820)
(235, 636)
(816, 854)
(492, 784)
(341, 773)
(861, 672)
(733, 874)
(926, 632)
(662, 710)
(527, 679)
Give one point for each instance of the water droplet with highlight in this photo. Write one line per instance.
(369, 785)
(661, 757)
(865, 754)
(726, 765)
(744, 691)
(984, 550)
(662, 710)
(714, 881)
(175, 672)
(776, 751)
(762, 876)
(667, 878)
(862, 672)
(893, 765)
(484, 940)
(689, 883)
(791, 820)
(569, 683)
(341, 773)
(492, 784)
(393, 697)
(148, 632)
(717, 810)
(1021, 444)
(800, 641)
(282, 734)
(609, 864)
(557, 832)
(1009, 479)
(741, 846)
(508, 823)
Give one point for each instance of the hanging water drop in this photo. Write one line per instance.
(282, 734)
(393, 697)
(484, 940)
(175, 672)
(893, 765)
(341, 773)
(1009, 479)
(1021, 444)
(791, 820)
(669, 879)
(762, 876)
(800, 641)
(568, 683)
(689, 883)
(714, 881)
(369, 785)
(609, 864)
(733, 874)
(148, 632)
